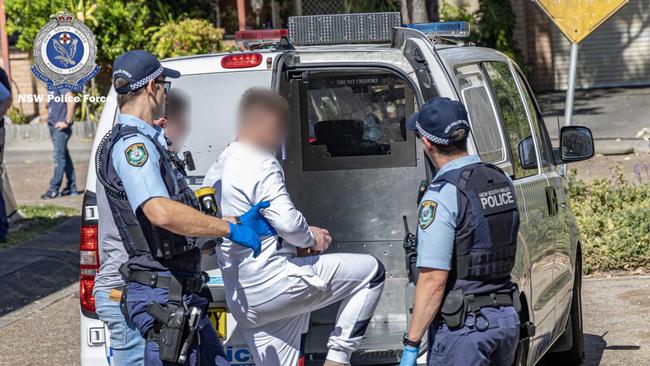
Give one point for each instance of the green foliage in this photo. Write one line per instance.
(38, 219)
(613, 216)
(16, 116)
(186, 37)
(122, 26)
(118, 25)
(492, 25)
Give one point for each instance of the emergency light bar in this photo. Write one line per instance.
(442, 29)
(256, 39)
(342, 28)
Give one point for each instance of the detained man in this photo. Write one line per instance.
(271, 296)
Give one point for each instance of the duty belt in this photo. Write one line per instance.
(474, 303)
(158, 280)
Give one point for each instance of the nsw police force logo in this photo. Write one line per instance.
(64, 53)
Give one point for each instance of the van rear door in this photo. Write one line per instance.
(352, 167)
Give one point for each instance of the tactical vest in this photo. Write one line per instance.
(487, 224)
(149, 247)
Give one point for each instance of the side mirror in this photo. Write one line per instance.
(527, 155)
(576, 144)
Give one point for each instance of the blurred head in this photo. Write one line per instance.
(177, 116)
(140, 82)
(442, 125)
(263, 117)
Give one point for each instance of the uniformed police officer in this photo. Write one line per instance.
(467, 237)
(155, 213)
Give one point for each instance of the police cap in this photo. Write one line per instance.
(438, 119)
(138, 67)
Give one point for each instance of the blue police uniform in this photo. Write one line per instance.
(163, 270)
(468, 223)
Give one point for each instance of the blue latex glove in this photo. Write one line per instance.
(409, 356)
(256, 221)
(245, 236)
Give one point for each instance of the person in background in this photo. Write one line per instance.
(60, 116)
(5, 103)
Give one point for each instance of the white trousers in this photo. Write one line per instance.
(273, 316)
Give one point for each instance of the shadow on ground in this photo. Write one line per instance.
(40, 266)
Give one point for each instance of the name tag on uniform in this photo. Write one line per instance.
(497, 198)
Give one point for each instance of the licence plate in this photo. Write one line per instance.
(218, 320)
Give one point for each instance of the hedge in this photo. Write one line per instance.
(613, 217)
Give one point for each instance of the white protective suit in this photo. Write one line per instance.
(271, 296)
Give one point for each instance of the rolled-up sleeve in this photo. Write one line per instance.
(290, 224)
(437, 228)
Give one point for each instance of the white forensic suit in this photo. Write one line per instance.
(272, 296)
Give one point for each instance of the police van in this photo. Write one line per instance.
(351, 167)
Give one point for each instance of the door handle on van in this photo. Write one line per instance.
(551, 201)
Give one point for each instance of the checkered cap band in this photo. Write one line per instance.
(140, 83)
(436, 139)
(430, 137)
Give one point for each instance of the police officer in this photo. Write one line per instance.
(467, 237)
(127, 345)
(155, 213)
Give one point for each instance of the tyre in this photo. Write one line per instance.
(574, 355)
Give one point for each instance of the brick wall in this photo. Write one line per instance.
(24, 82)
(533, 37)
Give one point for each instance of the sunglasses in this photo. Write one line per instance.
(166, 85)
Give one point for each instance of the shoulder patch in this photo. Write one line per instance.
(427, 213)
(136, 154)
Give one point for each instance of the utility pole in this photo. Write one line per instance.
(241, 14)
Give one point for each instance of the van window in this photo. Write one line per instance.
(354, 120)
(515, 120)
(485, 126)
(544, 142)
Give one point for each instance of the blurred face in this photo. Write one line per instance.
(267, 126)
(176, 129)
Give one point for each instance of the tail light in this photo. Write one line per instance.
(241, 60)
(301, 361)
(88, 265)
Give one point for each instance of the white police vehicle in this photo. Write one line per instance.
(351, 166)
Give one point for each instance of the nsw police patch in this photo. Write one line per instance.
(136, 154)
(427, 213)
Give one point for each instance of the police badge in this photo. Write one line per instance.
(64, 53)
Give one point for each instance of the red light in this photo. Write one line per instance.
(241, 60)
(301, 361)
(261, 35)
(88, 247)
(86, 298)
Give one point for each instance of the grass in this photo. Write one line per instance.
(38, 219)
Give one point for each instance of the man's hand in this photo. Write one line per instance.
(409, 356)
(60, 126)
(254, 219)
(245, 236)
(322, 239)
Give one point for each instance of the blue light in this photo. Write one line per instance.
(442, 29)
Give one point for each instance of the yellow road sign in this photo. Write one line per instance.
(578, 18)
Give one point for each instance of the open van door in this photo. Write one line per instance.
(353, 168)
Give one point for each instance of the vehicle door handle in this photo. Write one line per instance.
(551, 201)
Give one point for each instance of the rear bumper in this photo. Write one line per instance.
(93, 339)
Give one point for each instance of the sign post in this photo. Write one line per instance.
(577, 19)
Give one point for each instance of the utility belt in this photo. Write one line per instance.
(157, 280)
(457, 305)
(176, 325)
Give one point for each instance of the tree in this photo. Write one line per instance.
(186, 37)
(118, 25)
(414, 11)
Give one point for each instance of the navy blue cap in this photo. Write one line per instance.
(139, 67)
(438, 119)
